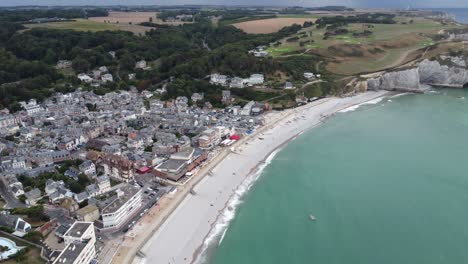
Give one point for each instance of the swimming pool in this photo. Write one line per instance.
(12, 247)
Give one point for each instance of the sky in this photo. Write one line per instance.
(349, 3)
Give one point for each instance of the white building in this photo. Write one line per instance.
(236, 82)
(121, 207)
(103, 183)
(197, 97)
(103, 69)
(256, 79)
(288, 86)
(218, 79)
(247, 109)
(80, 244)
(32, 107)
(226, 97)
(107, 78)
(85, 78)
(309, 75)
(141, 64)
(88, 168)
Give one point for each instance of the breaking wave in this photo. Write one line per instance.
(355, 107)
(220, 227)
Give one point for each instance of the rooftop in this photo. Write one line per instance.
(70, 253)
(172, 165)
(78, 229)
(114, 203)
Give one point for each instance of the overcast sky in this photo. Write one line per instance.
(350, 3)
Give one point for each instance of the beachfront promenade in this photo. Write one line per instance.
(174, 231)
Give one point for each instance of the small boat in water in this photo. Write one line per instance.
(312, 218)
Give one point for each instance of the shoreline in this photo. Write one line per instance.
(256, 171)
(179, 233)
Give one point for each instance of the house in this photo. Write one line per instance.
(88, 168)
(12, 163)
(226, 97)
(32, 107)
(197, 97)
(80, 244)
(81, 197)
(118, 209)
(117, 167)
(236, 82)
(89, 213)
(17, 190)
(103, 69)
(66, 144)
(257, 109)
(247, 109)
(208, 139)
(92, 190)
(14, 222)
(43, 159)
(218, 79)
(256, 79)
(33, 196)
(85, 78)
(131, 76)
(103, 183)
(141, 64)
(64, 64)
(52, 186)
(107, 78)
(288, 86)
(72, 173)
(70, 205)
(309, 75)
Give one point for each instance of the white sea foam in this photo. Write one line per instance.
(355, 107)
(219, 229)
(398, 95)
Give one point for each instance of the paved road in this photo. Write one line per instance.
(8, 196)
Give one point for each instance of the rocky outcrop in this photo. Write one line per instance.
(447, 71)
(398, 80)
(434, 73)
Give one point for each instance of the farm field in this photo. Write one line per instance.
(132, 18)
(126, 17)
(265, 26)
(79, 25)
(88, 25)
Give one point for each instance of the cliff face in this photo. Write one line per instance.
(433, 73)
(400, 80)
(450, 72)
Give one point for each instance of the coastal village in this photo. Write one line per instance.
(96, 168)
(90, 166)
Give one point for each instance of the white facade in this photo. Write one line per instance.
(219, 79)
(141, 64)
(256, 79)
(80, 244)
(119, 211)
(85, 78)
(247, 109)
(107, 78)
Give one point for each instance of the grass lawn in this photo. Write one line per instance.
(278, 51)
(79, 25)
(392, 57)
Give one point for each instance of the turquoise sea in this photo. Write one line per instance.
(387, 183)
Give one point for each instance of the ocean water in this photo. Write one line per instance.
(387, 183)
(461, 14)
